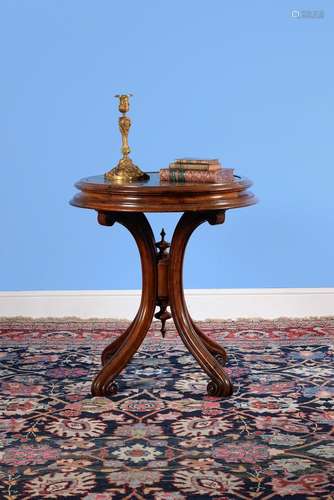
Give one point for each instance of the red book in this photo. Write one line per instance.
(191, 176)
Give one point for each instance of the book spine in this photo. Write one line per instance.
(194, 161)
(200, 167)
(181, 176)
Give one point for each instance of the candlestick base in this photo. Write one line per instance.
(126, 171)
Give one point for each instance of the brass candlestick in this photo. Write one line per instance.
(125, 170)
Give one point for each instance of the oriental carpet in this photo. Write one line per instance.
(161, 437)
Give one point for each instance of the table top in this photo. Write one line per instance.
(157, 196)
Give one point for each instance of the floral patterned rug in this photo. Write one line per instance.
(161, 437)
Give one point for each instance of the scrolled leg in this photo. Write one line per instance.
(109, 219)
(215, 349)
(112, 348)
(203, 349)
(118, 354)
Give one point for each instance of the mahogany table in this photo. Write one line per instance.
(162, 263)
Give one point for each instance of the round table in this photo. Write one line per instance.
(162, 263)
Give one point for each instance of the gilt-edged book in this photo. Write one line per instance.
(196, 176)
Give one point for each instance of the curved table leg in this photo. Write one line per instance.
(119, 353)
(196, 343)
(110, 350)
(215, 349)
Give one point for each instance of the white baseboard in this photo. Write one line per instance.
(203, 304)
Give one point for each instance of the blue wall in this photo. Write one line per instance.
(242, 81)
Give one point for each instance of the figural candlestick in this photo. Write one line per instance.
(125, 170)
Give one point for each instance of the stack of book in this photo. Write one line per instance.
(196, 171)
